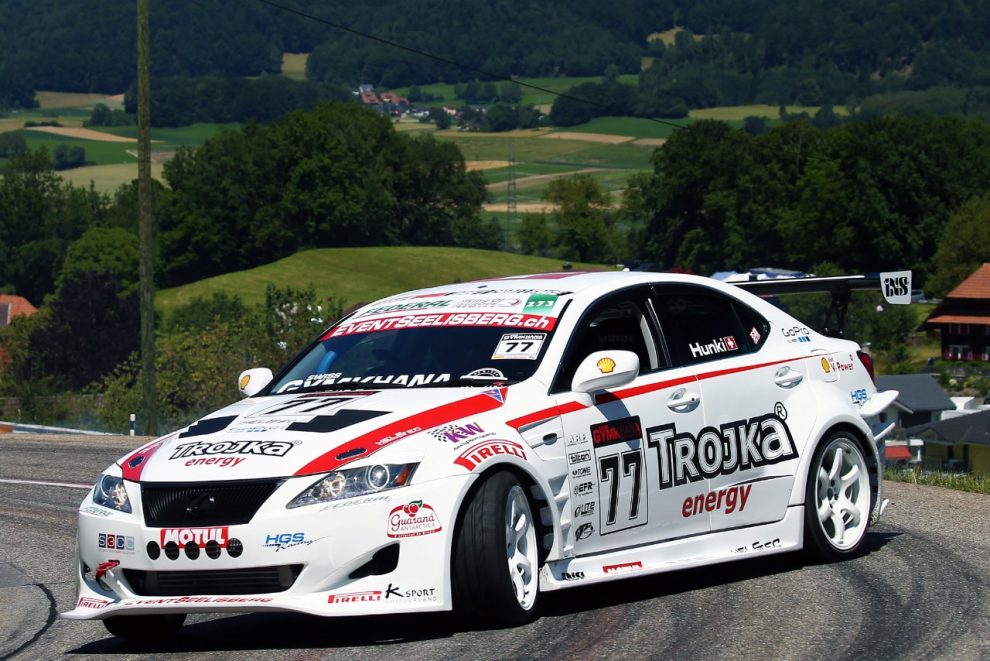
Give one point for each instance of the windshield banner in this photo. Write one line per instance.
(510, 320)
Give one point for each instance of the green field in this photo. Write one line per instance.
(530, 95)
(362, 274)
(739, 113)
(632, 126)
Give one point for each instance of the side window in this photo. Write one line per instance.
(618, 322)
(701, 325)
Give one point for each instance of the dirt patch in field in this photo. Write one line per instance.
(485, 165)
(539, 179)
(48, 100)
(81, 133)
(604, 138)
(523, 207)
(650, 142)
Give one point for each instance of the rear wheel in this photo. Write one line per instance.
(144, 628)
(496, 559)
(838, 498)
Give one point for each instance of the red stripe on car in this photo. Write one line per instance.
(626, 393)
(371, 442)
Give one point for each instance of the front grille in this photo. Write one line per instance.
(211, 504)
(256, 580)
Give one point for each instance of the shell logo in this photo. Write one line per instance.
(825, 365)
(605, 365)
(244, 381)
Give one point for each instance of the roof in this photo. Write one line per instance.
(897, 453)
(976, 285)
(12, 306)
(977, 320)
(972, 428)
(916, 392)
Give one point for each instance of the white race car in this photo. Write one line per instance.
(472, 445)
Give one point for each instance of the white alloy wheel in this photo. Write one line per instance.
(839, 500)
(520, 547)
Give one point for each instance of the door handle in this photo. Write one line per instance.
(787, 378)
(683, 401)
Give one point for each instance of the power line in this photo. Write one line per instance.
(445, 60)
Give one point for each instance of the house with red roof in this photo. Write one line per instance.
(963, 319)
(12, 306)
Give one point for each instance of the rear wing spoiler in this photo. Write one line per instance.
(894, 285)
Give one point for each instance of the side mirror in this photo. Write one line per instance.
(251, 381)
(605, 369)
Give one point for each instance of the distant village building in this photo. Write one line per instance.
(963, 319)
(386, 103)
(12, 306)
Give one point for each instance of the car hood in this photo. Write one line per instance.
(301, 434)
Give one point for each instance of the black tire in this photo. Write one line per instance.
(144, 628)
(838, 499)
(481, 570)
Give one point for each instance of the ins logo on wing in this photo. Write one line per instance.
(734, 446)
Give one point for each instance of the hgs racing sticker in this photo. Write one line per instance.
(412, 520)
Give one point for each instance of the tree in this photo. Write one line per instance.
(963, 247)
(534, 236)
(586, 230)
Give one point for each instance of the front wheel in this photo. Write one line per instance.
(144, 628)
(495, 568)
(838, 499)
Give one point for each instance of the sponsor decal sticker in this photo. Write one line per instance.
(119, 543)
(759, 546)
(581, 472)
(578, 457)
(420, 595)
(349, 502)
(844, 367)
(859, 397)
(605, 365)
(572, 576)
(195, 600)
(728, 500)
(456, 433)
(583, 489)
(734, 446)
(584, 531)
(584, 509)
(480, 452)
(413, 519)
(828, 366)
(623, 568)
(96, 511)
(716, 346)
(754, 335)
(796, 334)
(404, 307)
(507, 319)
(519, 346)
(623, 430)
(221, 462)
(92, 602)
(541, 302)
(485, 373)
(198, 536)
(282, 541)
(257, 448)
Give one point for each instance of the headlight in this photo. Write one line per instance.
(355, 482)
(110, 492)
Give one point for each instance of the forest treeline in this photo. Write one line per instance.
(868, 195)
(808, 51)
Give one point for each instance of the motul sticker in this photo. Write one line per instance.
(412, 520)
(199, 536)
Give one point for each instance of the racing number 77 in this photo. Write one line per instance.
(608, 472)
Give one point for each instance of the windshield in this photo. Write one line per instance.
(418, 357)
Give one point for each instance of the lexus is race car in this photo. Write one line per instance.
(473, 445)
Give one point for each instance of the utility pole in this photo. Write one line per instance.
(145, 226)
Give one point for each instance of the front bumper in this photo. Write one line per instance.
(382, 553)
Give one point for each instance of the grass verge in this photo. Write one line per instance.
(957, 481)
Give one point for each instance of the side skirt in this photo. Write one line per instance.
(724, 546)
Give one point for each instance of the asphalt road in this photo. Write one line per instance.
(920, 590)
